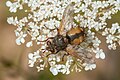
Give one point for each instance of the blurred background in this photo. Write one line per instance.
(14, 60)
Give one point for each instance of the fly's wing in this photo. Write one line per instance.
(67, 19)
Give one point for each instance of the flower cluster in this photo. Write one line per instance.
(112, 35)
(43, 19)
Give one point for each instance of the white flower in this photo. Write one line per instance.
(10, 20)
(33, 26)
(29, 44)
(114, 28)
(31, 60)
(109, 38)
(99, 53)
(54, 70)
(119, 30)
(58, 58)
(90, 36)
(65, 69)
(41, 67)
(20, 38)
(41, 38)
(89, 66)
(13, 21)
(96, 42)
(13, 6)
(52, 63)
(34, 4)
(105, 32)
(8, 3)
(33, 57)
(118, 1)
(112, 46)
(46, 31)
(52, 57)
(37, 54)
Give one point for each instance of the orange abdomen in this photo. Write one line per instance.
(75, 35)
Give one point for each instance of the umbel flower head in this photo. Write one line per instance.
(46, 19)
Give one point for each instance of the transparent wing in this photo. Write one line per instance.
(67, 19)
